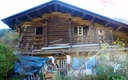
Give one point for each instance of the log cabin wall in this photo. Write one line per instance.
(58, 31)
(32, 38)
(55, 30)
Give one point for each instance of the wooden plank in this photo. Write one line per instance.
(30, 35)
(41, 43)
(84, 36)
(83, 40)
(33, 39)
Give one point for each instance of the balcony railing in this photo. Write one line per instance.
(88, 39)
(82, 39)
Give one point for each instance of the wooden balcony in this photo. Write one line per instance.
(87, 39)
(82, 39)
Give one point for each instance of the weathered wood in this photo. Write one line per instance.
(111, 36)
(32, 35)
(59, 26)
(98, 40)
(70, 32)
(55, 41)
(86, 40)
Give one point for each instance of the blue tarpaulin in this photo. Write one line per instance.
(29, 65)
(88, 64)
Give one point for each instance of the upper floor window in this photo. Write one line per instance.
(81, 30)
(101, 32)
(39, 31)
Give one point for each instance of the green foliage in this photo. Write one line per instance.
(7, 47)
(104, 68)
(7, 60)
(120, 43)
(3, 32)
(10, 38)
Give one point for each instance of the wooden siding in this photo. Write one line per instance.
(56, 31)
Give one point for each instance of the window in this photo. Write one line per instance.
(80, 30)
(39, 31)
(100, 32)
(75, 30)
(85, 30)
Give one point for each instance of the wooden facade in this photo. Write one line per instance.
(58, 29)
(57, 23)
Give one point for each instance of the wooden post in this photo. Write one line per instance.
(46, 35)
(91, 31)
(70, 32)
(111, 36)
(98, 40)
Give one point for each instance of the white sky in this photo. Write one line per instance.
(110, 8)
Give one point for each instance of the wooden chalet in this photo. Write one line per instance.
(56, 23)
(56, 27)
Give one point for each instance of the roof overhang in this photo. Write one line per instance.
(58, 6)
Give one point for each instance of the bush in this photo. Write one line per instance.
(7, 60)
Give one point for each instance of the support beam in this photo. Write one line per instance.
(92, 21)
(111, 36)
(39, 13)
(72, 12)
(118, 28)
(84, 14)
(91, 29)
(106, 24)
(55, 6)
(49, 9)
(18, 23)
(29, 17)
(61, 9)
(98, 40)
(17, 20)
(70, 32)
(46, 34)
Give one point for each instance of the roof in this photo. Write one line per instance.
(58, 6)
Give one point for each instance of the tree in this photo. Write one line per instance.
(7, 48)
(3, 32)
(7, 60)
(9, 37)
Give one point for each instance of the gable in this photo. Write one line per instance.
(58, 6)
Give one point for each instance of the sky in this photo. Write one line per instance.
(109, 8)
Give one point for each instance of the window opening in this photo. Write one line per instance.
(85, 30)
(39, 30)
